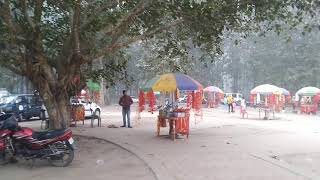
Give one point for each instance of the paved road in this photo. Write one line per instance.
(222, 146)
(94, 160)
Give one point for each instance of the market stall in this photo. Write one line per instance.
(77, 114)
(89, 93)
(266, 98)
(172, 114)
(307, 99)
(284, 98)
(214, 96)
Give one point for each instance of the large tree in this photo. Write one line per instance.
(48, 41)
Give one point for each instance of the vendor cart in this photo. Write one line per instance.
(77, 114)
(267, 98)
(170, 114)
(308, 98)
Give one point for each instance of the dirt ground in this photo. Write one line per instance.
(221, 146)
(94, 159)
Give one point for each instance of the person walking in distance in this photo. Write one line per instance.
(230, 103)
(125, 101)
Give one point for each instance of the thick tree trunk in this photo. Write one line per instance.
(54, 96)
(57, 105)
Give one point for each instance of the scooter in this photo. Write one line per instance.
(56, 146)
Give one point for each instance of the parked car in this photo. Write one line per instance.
(4, 92)
(24, 106)
(90, 108)
(185, 97)
(134, 99)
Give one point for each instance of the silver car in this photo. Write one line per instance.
(91, 108)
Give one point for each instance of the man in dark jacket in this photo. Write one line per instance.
(125, 101)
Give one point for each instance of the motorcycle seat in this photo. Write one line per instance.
(48, 134)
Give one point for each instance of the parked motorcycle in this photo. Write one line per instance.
(56, 146)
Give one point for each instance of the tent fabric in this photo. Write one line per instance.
(172, 82)
(308, 91)
(266, 89)
(213, 89)
(92, 85)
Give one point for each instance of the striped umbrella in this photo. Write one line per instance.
(171, 82)
(213, 89)
(266, 89)
(308, 91)
(285, 92)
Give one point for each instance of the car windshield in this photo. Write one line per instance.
(78, 100)
(74, 101)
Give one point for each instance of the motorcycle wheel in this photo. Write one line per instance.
(65, 159)
(4, 159)
(20, 118)
(42, 116)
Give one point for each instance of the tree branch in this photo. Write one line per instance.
(116, 46)
(5, 13)
(70, 69)
(14, 67)
(100, 9)
(75, 28)
(121, 27)
(38, 12)
(26, 14)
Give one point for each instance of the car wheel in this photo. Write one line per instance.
(97, 113)
(20, 117)
(42, 115)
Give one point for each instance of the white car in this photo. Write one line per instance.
(4, 92)
(134, 99)
(91, 108)
(183, 99)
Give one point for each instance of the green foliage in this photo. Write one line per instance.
(171, 27)
(113, 71)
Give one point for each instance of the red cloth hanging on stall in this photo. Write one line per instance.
(142, 101)
(177, 95)
(272, 99)
(197, 101)
(152, 101)
(316, 99)
(219, 97)
(211, 100)
(251, 99)
(288, 99)
(189, 100)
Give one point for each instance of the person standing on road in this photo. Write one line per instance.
(125, 101)
(230, 103)
(243, 107)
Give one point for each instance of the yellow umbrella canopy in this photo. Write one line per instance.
(172, 82)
